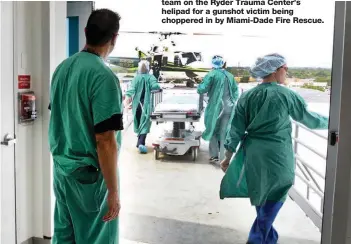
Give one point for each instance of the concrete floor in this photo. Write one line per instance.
(176, 201)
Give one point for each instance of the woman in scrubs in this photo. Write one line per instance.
(263, 168)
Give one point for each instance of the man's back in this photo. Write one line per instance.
(84, 93)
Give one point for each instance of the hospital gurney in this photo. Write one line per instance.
(179, 106)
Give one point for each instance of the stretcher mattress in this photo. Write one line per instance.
(184, 103)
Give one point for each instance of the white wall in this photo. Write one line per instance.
(40, 46)
(82, 10)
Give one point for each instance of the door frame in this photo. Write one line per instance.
(337, 204)
(7, 125)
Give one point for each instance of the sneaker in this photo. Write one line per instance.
(142, 149)
(214, 159)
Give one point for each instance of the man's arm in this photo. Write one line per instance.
(107, 153)
(106, 101)
(107, 149)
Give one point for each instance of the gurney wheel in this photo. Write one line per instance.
(194, 153)
(156, 154)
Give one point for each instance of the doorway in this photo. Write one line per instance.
(72, 35)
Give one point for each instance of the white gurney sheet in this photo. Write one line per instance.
(183, 103)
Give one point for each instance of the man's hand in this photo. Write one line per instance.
(113, 207)
(225, 164)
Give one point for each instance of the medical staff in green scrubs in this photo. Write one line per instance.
(263, 168)
(223, 93)
(86, 111)
(139, 93)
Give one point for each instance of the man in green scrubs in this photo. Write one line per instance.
(86, 111)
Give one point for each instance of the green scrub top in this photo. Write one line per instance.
(214, 83)
(262, 126)
(83, 93)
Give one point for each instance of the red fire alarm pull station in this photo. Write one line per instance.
(24, 82)
(27, 109)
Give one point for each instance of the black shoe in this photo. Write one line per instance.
(214, 159)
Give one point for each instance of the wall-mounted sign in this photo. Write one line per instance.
(24, 82)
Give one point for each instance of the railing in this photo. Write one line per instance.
(127, 113)
(308, 174)
(156, 98)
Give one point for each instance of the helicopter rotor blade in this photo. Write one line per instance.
(134, 32)
(154, 32)
(206, 34)
(253, 36)
(183, 33)
(168, 33)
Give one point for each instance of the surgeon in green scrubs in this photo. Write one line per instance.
(223, 92)
(139, 93)
(85, 138)
(263, 168)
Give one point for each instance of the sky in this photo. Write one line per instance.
(303, 45)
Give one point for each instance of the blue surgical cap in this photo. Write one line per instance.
(217, 62)
(267, 65)
(143, 67)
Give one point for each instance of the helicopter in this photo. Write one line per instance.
(167, 63)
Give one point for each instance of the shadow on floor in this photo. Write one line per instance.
(155, 230)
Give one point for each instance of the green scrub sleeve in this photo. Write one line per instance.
(300, 113)
(106, 99)
(131, 90)
(154, 84)
(205, 85)
(237, 128)
(235, 90)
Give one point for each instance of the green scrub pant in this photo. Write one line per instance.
(216, 146)
(79, 209)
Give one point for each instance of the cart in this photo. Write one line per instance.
(182, 107)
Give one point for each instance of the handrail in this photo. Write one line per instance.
(309, 130)
(307, 177)
(319, 193)
(310, 148)
(298, 157)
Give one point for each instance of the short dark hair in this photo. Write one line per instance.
(102, 26)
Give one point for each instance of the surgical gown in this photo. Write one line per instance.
(263, 128)
(84, 93)
(214, 84)
(140, 91)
